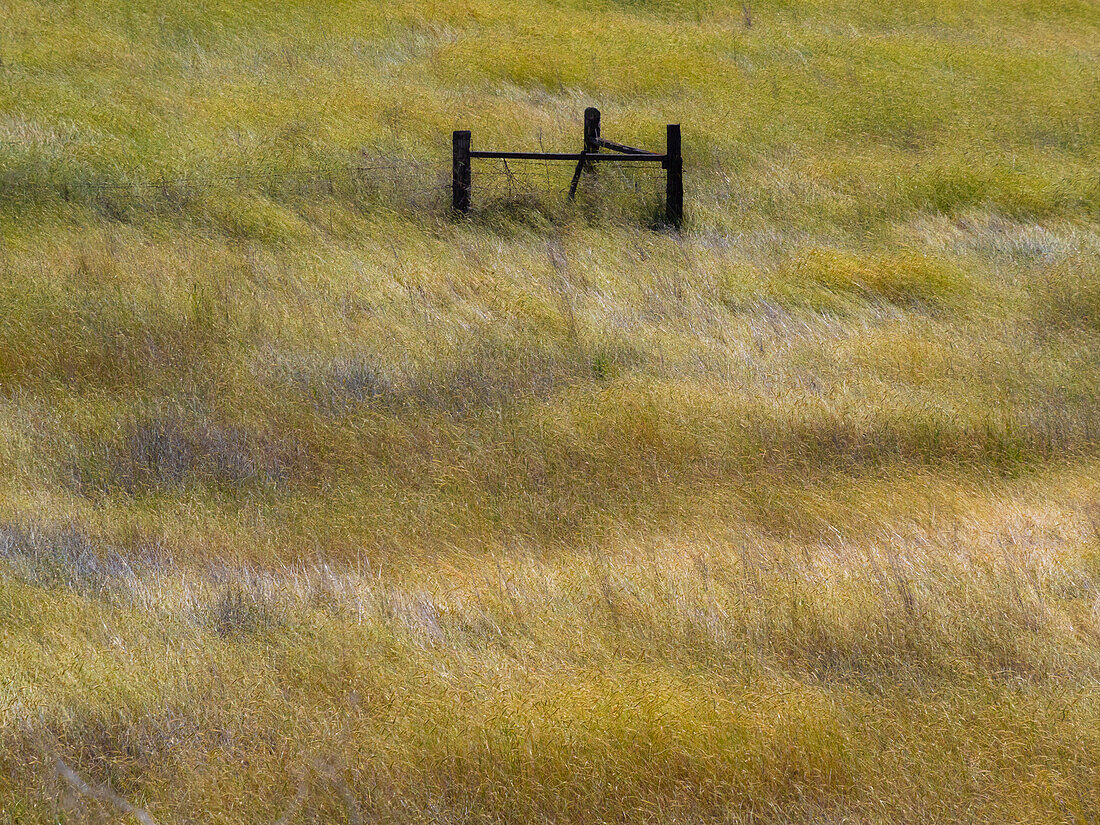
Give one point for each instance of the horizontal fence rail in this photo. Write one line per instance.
(671, 161)
(565, 156)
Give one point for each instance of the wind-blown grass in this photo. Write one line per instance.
(320, 505)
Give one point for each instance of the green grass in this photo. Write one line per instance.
(318, 504)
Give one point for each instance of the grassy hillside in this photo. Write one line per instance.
(320, 505)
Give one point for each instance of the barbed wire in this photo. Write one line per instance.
(505, 182)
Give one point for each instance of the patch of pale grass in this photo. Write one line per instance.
(319, 504)
(746, 679)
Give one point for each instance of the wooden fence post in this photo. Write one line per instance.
(591, 129)
(591, 145)
(674, 180)
(460, 171)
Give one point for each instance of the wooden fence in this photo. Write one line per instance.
(671, 161)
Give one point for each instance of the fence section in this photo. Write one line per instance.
(671, 161)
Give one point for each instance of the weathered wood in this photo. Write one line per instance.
(622, 147)
(564, 156)
(591, 146)
(674, 180)
(460, 171)
(592, 129)
(586, 159)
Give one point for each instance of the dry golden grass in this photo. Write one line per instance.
(318, 505)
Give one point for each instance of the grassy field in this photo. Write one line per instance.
(318, 505)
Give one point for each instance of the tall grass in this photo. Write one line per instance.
(320, 505)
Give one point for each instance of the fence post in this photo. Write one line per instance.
(460, 171)
(674, 180)
(591, 129)
(591, 144)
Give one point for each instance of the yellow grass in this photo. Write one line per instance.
(318, 504)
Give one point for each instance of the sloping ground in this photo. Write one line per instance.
(317, 505)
